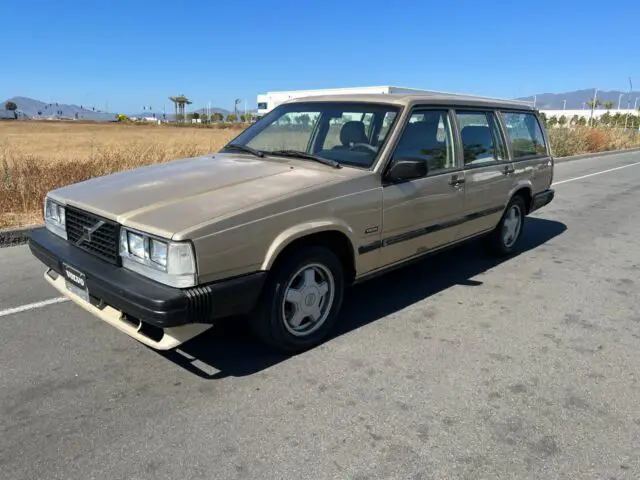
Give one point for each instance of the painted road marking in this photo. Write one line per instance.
(597, 173)
(32, 306)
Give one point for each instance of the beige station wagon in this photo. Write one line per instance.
(320, 193)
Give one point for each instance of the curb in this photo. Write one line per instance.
(597, 154)
(13, 237)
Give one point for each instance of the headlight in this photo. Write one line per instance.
(158, 252)
(135, 244)
(54, 218)
(171, 263)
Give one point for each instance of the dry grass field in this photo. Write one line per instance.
(36, 157)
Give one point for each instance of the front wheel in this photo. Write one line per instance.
(504, 238)
(301, 300)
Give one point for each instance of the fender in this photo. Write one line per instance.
(302, 230)
(519, 185)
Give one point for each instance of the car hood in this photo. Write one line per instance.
(167, 198)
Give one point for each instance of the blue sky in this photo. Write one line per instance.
(135, 53)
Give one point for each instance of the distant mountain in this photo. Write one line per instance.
(35, 109)
(555, 101)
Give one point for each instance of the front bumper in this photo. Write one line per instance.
(543, 198)
(128, 300)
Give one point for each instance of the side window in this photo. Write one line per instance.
(525, 134)
(428, 136)
(481, 138)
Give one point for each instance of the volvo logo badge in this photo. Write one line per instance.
(86, 236)
(310, 299)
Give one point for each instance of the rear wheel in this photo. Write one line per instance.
(300, 301)
(504, 238)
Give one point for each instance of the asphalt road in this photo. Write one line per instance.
(456, 367)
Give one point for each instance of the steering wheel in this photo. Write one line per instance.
(365, 146)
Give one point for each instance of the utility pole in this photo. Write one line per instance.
(626, 117)
(593, 105)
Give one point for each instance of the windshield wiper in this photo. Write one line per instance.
(244, 148)
(300, 154)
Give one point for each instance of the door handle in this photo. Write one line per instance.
(455, 181)
(508, 170)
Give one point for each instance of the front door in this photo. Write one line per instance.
(488, 171)
(422, 214)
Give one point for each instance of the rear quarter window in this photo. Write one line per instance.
(524, 134)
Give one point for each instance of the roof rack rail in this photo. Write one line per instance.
(470, 95)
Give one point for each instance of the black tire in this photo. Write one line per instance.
(495, 241)
(268, 321)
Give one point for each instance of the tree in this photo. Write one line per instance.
(608, 104)
(195, 115)
(231, 117)
(12, 107)
(304, 119)
(606, 119)
(594, 104)
(575, 120)
(616, 118)
(553, 121)
(204, 117)
(562, 121)
(543, 116)
(217, 117)
(582, 121)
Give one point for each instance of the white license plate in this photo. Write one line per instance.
(76, 282)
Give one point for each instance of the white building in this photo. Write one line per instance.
(270, 100)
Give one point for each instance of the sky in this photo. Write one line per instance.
(130, 54)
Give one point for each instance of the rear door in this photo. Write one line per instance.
(422, 214)
(488, 172)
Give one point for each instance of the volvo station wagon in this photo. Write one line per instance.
(319, 194)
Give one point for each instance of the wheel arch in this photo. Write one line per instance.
(525, 190)
(333, 234)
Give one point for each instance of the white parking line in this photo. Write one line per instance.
(597, 173)
(31, 306)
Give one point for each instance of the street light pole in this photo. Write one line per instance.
(564, 105)
(593, 105)
(626, 118)
(620, 100)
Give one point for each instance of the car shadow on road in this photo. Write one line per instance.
(228, 349)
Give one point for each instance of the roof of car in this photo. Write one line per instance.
(411, 99)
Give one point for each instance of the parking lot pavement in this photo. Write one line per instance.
(456, 367)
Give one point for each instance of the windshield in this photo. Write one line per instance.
(346, 132)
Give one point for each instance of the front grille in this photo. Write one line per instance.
(104, 240)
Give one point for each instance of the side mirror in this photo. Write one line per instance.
(404, 169)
